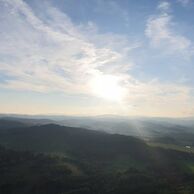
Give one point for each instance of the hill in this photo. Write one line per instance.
(8, 124)
(53, 159)
(71, 141)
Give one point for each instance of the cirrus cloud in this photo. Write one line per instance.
(162, 34)
(51, 53)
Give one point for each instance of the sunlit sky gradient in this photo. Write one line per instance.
(91, 57)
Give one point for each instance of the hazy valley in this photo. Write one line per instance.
(40, 156)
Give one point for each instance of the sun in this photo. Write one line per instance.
(107, 87)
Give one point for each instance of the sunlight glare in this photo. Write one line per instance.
(107, 87)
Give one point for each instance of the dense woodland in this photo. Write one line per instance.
(52, 159)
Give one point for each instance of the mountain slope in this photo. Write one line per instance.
(73, 141)
(81, 161)
(8, 124)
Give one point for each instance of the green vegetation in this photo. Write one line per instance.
(172, 147)
(52, 159)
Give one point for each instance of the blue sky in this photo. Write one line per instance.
(92, 57)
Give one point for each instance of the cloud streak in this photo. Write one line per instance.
(184, 2)
(53, 54)
(50, 53)
(162, 34)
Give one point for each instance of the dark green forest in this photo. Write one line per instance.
(53, 159)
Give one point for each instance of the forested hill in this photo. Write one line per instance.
(72, 141)
(53, 159)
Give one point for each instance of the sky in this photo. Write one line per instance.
(96, 57)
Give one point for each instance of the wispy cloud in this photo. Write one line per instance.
(54, 54)
(161, 31)
(48, 53)
(164, 6)
(185, 2)
(159, 99)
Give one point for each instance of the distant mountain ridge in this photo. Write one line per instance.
(141, 127)
(72, 160)
(13, 122)
(76, 141)
(8, 124)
